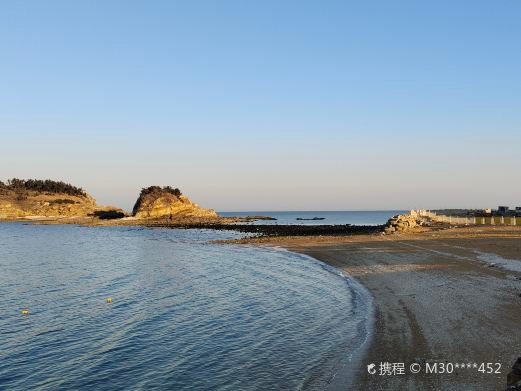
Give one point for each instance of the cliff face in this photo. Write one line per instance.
(33, 203)
(21, 198)
(156, 202)
(35, 198)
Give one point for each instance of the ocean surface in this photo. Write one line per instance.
(186, 314)
(329, 217)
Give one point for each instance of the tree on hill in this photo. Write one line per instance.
(43, 186)
(154, 191)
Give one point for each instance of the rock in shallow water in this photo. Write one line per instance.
(514, 377)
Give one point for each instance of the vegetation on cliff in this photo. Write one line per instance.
(35, 198)
(157, 201)
(43, 186)
(153, 192)
(21, 198)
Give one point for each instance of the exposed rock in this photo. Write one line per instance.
(33, 203)
(46, 198)
(155, 201)
(514, 377)
(109, 213)
(253, 218)
(274, 229)
(401, 223)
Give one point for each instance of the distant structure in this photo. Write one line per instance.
(502, 209)
(506, 211)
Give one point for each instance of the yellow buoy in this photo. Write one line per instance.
(25, 312)
(108, 300)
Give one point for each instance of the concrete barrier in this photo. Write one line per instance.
(468, 220)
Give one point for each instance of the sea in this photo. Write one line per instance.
(132, 308)
(320, 217)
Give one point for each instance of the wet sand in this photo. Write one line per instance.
(439, 297)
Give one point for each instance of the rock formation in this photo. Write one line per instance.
(160, 202)
(514, 376)
(401, 223)
(45, 198)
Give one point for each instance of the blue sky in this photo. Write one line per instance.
(268, 105)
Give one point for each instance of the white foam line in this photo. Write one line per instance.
(494, 259)
(488, 258)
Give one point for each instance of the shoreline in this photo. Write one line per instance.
(343, 377)
(436, 298)
(221, 224)
(449, 295)
(346, 375)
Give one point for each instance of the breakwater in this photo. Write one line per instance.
(280, 230)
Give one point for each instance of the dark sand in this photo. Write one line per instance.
(436, 299)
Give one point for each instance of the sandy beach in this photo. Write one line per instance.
(449, 296)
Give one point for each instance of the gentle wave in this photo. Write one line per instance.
(325, 217)
(186, 314)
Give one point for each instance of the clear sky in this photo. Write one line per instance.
(266, 105)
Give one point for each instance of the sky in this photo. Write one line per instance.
(266, 105)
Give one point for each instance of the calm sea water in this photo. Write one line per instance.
(186, 314)
(330, 217)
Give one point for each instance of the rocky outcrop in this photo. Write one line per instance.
(514, 376)
(34, 204)
(51, 199)
(223, 224)
(161, 202)
(401, 223)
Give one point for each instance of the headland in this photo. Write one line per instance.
(442, 293)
